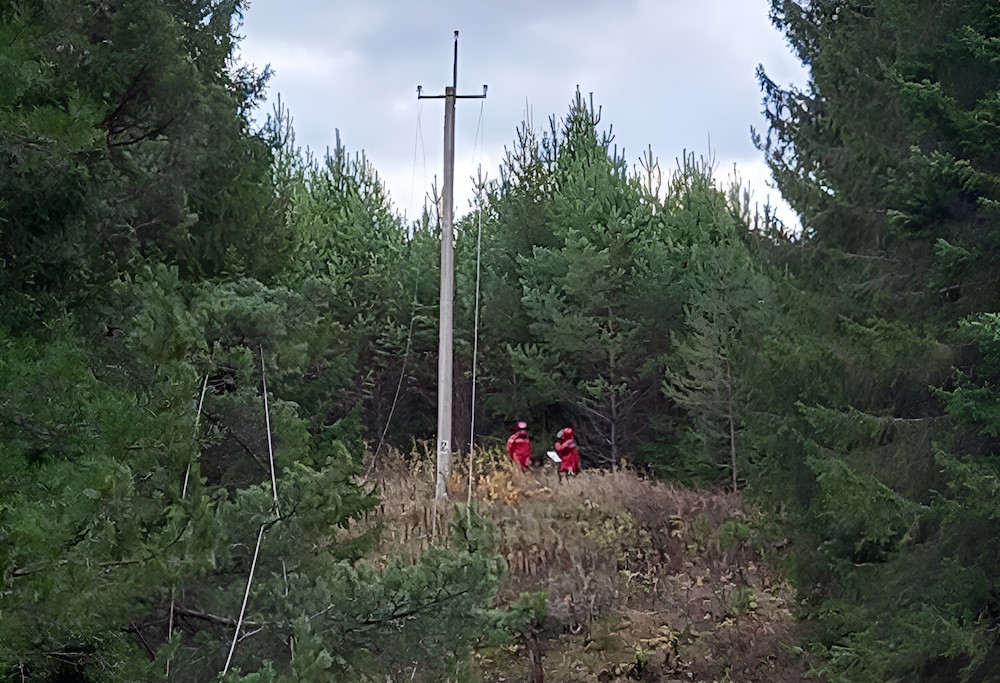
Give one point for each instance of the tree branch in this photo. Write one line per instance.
(215, 619)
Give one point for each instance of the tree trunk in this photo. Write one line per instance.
(732, 424)
(535, 672)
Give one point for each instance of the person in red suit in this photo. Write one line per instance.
(519, 446)
(565, 447)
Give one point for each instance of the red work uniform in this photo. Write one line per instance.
(567, 451)
(519, 446)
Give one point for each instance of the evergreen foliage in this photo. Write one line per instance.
(890, 140)
(124, 130)
(160, 260)
(884, 466)
(589, 277)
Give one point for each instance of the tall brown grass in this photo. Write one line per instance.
(643, 578)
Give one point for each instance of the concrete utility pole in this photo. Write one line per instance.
(445, 339)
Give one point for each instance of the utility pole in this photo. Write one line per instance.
(445, 337)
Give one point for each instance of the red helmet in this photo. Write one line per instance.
(522, 425)
(567, 432)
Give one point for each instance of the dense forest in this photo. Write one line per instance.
(208, 334)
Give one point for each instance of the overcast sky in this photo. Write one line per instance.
(672, 74)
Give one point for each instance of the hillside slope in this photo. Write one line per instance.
(643, 580)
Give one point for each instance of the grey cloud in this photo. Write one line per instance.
(667, 72)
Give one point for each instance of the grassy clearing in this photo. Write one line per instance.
(644, 580)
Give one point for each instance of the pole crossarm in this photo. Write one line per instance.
(445, 338)
(421, 96)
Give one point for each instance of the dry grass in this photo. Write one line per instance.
(645, 580)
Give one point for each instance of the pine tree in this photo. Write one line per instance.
(125, 130)
(883, 154)
(150, 287)
(588, 278)
(889, 142)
